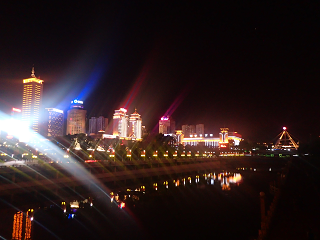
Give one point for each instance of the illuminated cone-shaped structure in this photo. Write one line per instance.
(285, 141)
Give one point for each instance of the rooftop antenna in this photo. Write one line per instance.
(32, 72)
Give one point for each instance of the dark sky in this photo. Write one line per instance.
(252, 67)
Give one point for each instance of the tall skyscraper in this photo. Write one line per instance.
(120, 123)
(31, 101)
(200, 130)
(54, 122)
(135, 125)
(166, 125)
(76, 118)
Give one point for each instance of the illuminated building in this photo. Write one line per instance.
(120, 123)
(97, 125)
(188, 130)
(31, 101)
(179, 136)
(76, 118)
(200, 130)
(135, 125)
(166, 125)
(215, 142)
(224, 141)
(285, 141)
(54, 119)
(17, 226)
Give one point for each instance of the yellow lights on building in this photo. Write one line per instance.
(31, 101)
(30, 80)
(120, 123)
(135, 125)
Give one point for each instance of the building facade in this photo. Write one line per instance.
(31, 101)
(120, 123)
(135, 125)
(200, 130)
(167, 126)
(76, 118)
(98, 125)
(188, 130)
(209, 141)
(54, 119)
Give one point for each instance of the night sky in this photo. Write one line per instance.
(252, 67)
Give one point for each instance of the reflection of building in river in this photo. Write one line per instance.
(226, 179)
(19, 225)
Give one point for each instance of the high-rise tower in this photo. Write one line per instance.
(135, 125)
(31, 101)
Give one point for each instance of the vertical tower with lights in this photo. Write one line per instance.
(31, 101)
(135, 125)
(120, 123)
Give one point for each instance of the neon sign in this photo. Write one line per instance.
(77, 101)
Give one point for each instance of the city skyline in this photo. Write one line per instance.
(247, 68)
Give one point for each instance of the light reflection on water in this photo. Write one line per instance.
(225, 181)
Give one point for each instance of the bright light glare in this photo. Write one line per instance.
(21, 131)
